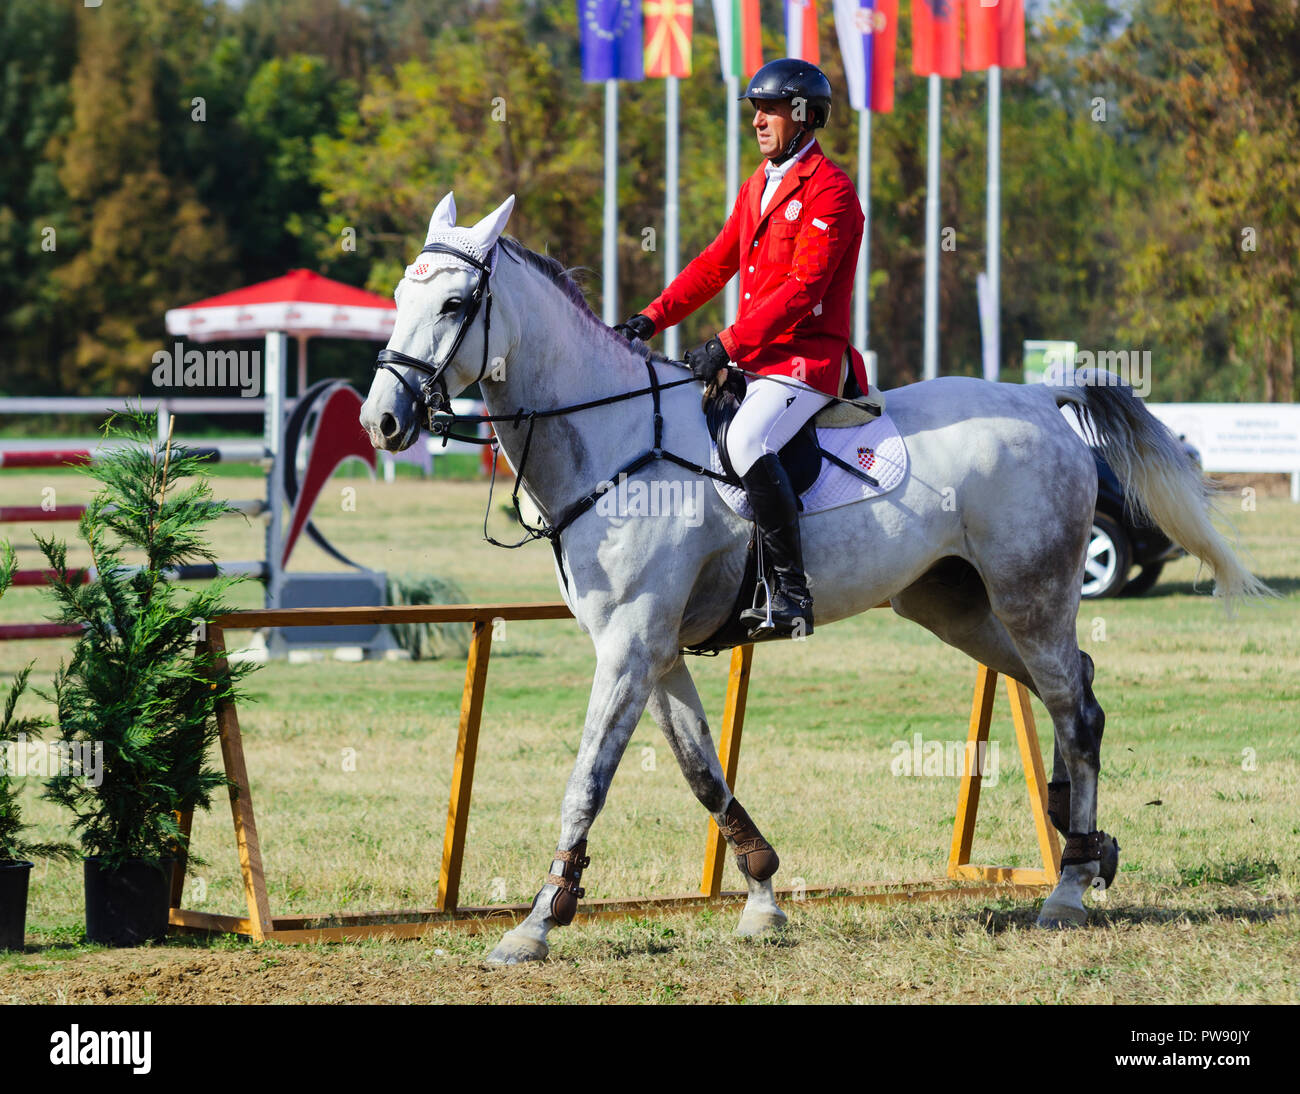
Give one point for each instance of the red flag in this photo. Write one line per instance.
(667, 37)
(936, 38)
(801, 31)
(995, 34)
(884, 44)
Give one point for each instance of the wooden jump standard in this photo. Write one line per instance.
(259, 924)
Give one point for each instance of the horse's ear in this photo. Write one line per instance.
(443, 217)
(489, 229)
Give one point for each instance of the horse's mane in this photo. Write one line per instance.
(562, 279)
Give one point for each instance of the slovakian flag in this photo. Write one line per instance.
(868, 35)
(739, 43)
(611, 40)
(667, 37)
(995, 34)
(801, 31)
(936, 38)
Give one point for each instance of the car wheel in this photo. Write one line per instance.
(1146, 578)
(1107, 563)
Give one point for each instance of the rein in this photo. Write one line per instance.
(442, 426)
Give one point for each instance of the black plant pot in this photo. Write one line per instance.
(13, 904)
(127, 905)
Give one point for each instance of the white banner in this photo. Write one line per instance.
(1238, 436)
(1234, 437)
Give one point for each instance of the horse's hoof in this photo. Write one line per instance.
(515, 949)
(755, 923)
(1062, 916)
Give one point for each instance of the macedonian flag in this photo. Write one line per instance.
(667, 37)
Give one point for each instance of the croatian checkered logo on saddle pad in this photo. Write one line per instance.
(866, 458)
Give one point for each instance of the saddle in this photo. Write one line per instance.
(802, 456)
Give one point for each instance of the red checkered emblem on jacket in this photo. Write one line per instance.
(866, 458)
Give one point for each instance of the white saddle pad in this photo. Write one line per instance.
(876, 448)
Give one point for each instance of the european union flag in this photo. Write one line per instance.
(612, 48)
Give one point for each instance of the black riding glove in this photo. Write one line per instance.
(708, 360)
(639, 326)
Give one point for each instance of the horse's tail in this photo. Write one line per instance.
(1161, 483)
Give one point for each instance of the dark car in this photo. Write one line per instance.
(1119, 543)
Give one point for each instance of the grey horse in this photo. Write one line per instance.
(983, 543)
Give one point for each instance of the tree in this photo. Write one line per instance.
(138, 240)
(1209, 90)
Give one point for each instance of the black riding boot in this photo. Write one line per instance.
(776, 512)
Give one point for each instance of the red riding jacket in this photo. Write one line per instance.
(797, 263)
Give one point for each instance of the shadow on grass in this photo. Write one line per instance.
(71, 942)
(998, 921)
(1283, 586)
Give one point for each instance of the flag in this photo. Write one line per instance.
(995, 34)
(739, 43)
(611, 40)
(936, 38)
(667, 37)
(868, 35)
(801, 31)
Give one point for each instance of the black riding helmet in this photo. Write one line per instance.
(789, 79)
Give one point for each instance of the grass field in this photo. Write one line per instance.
(1199, 783)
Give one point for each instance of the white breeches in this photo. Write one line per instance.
(772, 412)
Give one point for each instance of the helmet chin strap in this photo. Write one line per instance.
(790, 149)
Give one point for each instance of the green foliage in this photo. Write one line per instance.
(17, 731)
(134, 684)
(1208, 92)
(425, 641)
(1119, 232)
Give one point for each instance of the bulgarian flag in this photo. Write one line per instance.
(995, 34)
(739, 44)
(801, 31)
(668, 37)
(936, 38)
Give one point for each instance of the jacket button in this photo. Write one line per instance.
(746, 296)
(755, 243)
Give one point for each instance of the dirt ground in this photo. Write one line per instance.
(1149, 944)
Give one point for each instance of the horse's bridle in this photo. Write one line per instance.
(432, 397)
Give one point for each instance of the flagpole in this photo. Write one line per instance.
(993, 228)
(672, 334)
(732, 296)
(609, 310)
(864, 255)
(931, 340)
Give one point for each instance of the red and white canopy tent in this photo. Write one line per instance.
(302, 304)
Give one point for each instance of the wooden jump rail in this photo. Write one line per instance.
(259, 924)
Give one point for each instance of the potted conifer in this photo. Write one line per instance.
(134, 685)
(16, 852)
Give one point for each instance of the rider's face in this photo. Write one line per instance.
(774, 125)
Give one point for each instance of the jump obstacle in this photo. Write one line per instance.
(278, 452)
(260, 924)
(233, 452)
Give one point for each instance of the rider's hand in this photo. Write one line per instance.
(639, 326)
(708, 360)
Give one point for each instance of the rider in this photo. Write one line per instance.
(794, 237)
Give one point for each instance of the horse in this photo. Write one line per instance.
(983, 542)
